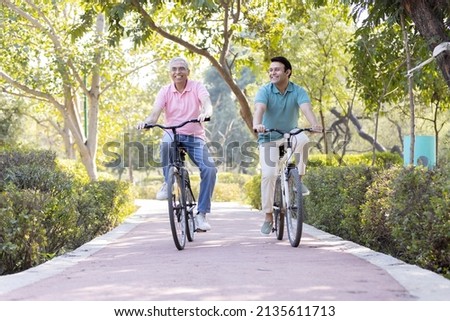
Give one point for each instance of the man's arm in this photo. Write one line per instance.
(307, 111)
(260, 109)
(206, 110)
(152, 118)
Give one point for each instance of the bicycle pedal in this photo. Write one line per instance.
(199, 230)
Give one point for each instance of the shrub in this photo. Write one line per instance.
(400, 211)
(376, 234)
(252, 189)
(45, 211)
(37, 217)
(22, 235)
(337, 194)
(101, 206)
(419, 217)
(20, 158)
(382, 159)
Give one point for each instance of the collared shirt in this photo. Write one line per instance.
(179, 107)
(282, 110)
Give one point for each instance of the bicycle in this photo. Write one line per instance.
(288, 202)
(181, 200)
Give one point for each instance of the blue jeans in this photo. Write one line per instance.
(198, 152)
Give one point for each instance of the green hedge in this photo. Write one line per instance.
(336, 196)
(399, 211)
(46, 211)
(407, 215)
(382, 159)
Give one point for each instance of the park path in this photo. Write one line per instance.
(232, 262)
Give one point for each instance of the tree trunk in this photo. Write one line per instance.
(428, 17)
(68, 140)
(410, 92)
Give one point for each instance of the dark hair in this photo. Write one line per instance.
(284, 61)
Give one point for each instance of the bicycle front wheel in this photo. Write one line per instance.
(294, 207)
(189, 206)
(278, 210)
(177, 212)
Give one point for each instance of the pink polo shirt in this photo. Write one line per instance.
(179, 107)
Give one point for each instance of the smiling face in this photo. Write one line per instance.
(179, 72)
(278, 74)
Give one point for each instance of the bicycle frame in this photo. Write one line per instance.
(290, 185)
(286, 165)
(288, 159)
(181, 200)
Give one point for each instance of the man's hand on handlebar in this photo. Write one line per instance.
(203, 116)
(317, 128)
(260, 128)
(141, 125)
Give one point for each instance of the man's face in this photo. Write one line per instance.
(179, 72)
(277, 73)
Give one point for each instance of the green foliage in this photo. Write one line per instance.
(38, 207)
(10, 113)
(407, 215)
(46, 211)
(253, 192)
(382, 159)
(75, 168)
(22, 235)
(102, 206)
(345, 189)
(21, 157)
(400, 211)
(227, 131)
(376, 65)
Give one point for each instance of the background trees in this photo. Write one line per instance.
(430, 18)
(63, 66)
(91, 93)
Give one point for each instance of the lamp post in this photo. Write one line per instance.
(439, 49)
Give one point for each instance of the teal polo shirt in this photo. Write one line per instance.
(282, 111)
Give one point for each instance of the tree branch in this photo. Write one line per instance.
(361, 132)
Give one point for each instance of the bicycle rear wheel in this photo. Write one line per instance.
(278, 210)
(189, 206)
(177, 212)
(294, 207)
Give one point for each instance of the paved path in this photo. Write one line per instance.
(232, 262)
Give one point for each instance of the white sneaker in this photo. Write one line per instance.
(201, 223)
(162, 193)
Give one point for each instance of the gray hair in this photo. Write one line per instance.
(179, 59)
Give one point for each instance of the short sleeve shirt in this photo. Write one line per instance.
(282, 110)
(179, 107)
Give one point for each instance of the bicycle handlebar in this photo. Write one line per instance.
(195, 120)
(292, 131)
